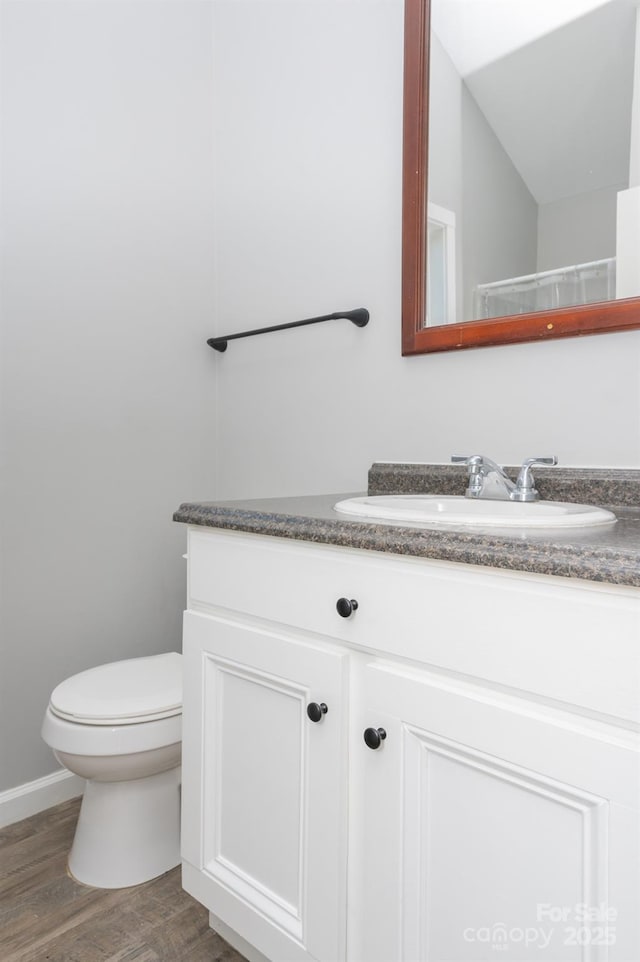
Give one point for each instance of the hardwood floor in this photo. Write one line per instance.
(46, 916)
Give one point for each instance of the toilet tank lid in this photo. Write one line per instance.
(124, 692)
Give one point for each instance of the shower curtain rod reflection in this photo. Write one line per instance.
(359, 317)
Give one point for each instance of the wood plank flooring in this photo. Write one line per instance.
(46, 916)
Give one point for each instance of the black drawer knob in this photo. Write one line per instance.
(346, 606)
(315, 711)
(373, 737)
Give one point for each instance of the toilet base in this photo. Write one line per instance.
(128, 832)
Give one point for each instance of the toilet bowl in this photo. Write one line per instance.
(119, 726)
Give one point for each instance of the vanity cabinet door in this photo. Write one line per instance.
(264, 785)
(491, 826)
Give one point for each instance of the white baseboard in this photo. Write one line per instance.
(33, 797)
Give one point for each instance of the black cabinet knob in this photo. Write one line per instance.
(315, 711)
(373, 737)
(345, 606)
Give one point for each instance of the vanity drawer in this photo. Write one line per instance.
(299, 584)
(508, 628)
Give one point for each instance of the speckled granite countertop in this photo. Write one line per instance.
(609, 554)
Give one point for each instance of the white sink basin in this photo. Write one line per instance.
(469, 512)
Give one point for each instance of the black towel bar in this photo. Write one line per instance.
(359, 317)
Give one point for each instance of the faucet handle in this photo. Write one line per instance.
(525, 490)
(474, 463)
(469, 459)
(528, 462)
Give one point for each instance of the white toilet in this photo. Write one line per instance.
(120, 727)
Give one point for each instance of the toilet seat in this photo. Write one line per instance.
(107, 740)
(129, 692)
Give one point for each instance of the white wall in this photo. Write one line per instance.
(308, 220)
(107, 384)
(576, 230)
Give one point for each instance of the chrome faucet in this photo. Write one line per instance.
(488, 480)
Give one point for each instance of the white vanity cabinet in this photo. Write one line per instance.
(492, 811)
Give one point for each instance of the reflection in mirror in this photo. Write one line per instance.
(533, 200)
(534, 102)
(441, 265)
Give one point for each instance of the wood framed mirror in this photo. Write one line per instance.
(619, 308)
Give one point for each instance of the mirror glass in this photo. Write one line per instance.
(530, 146)
(531, 136)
